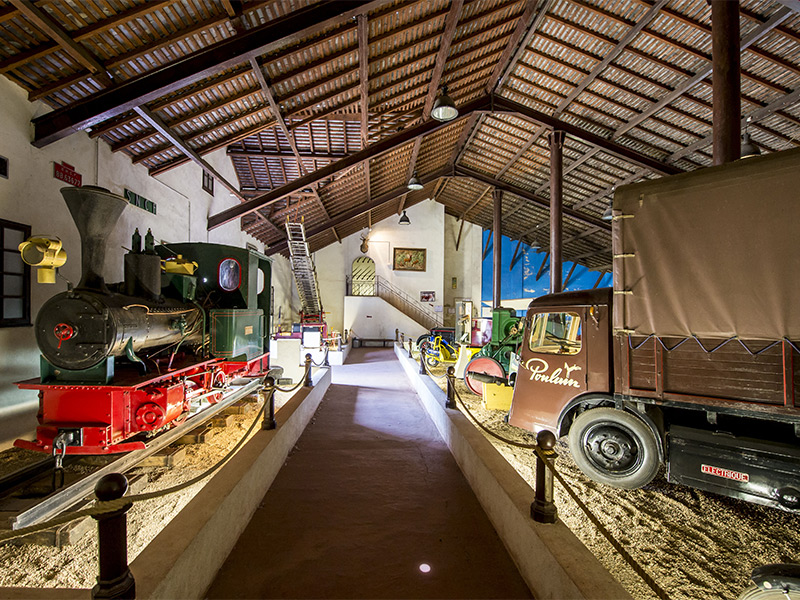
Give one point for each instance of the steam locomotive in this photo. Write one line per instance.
(122, 361)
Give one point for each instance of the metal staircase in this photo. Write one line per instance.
(303, 268)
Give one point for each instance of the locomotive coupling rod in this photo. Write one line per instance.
(60, 501)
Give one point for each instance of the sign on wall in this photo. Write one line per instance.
(409, 259)
(427, 296)
(140, 201)
(67, 174)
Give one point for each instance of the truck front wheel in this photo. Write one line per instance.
(614, 447)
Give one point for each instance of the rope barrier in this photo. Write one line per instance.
(638, 569)
(103, 507)
(296, 385)
(324, 356)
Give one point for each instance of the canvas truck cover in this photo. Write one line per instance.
(713, 253)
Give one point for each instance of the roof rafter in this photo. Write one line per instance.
(542, 202)
(362, 209)
(54, 31)
(371, 151)
(223, 55)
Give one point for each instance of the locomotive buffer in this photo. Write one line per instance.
(304, 273)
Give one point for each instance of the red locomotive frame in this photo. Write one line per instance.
(103, 416)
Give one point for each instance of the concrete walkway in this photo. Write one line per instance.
(369, 498)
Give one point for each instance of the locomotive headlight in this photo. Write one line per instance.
(44, 253)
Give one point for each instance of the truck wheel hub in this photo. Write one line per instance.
(610, 448)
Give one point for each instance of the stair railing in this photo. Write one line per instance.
(396, 297)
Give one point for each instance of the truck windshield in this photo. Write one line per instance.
(556, 333)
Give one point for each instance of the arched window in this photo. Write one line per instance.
(362, 282)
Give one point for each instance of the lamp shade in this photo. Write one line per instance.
(748, 147)
(607, 215)
(414, 183)
(444, 109)
(404, 220)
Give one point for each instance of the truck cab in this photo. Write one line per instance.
(564, 356)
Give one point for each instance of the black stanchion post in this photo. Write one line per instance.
(451, 388)
(396, 334)
(409, 349)
(269, 414)
(345, 337)
(308, 371)
(421, 362)
(326, 363)
(543, 509)
(115, 579)
(402, 339)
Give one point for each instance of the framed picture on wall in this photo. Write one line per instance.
(427, 296)
(409, 259)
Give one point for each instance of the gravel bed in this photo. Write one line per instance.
(694, 544)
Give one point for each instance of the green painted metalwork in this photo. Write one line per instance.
(237, 333)
(101, 373)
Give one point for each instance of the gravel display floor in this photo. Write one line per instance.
(75, 566)
(694, 544)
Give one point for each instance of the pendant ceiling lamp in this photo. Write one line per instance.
(414, 183)
(748, 147)
(404, 220)
(444, 109)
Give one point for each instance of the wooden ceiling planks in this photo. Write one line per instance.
(634, 71)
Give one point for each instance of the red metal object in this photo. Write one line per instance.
(104, 418)
(485, 365)
(63, 332)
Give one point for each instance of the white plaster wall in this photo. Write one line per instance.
(464, 264)
(329, 264)
(31, 196)
(334, 262)
(370, 317)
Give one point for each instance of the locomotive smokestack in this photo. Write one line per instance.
(95, 211)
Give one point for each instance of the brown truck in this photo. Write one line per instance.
(691, 360)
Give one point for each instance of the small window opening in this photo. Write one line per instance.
(208, 182)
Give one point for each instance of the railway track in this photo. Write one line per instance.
(61, 500)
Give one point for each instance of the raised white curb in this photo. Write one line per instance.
(183, 560)
(552, 561)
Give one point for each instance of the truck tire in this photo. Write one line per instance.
(614, 447)
(753, 592)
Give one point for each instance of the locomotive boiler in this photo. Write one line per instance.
(121, 361)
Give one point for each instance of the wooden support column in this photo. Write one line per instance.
(556, 206)
(726, 81)
(497, 234)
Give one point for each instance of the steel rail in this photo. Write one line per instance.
(60, 501)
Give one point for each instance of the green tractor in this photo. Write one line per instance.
(494, 358)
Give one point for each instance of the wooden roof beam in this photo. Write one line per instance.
(276, 113)
(527, 146)
(757, 34)
(223, 55)
(450, 26)
(360, 210)
(54, 31)
(372, 151)
(159, 125)
(537, 200)
(586, 136)
(363, 76)
(531, 19)
(629, 36)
